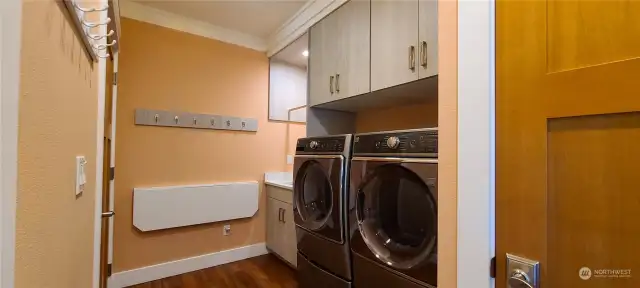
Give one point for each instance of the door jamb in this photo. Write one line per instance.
(476, 142)
(102, 79)
(10, 42)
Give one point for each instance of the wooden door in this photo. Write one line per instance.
(567, 138)
(275, 240)
(353, 45)
(428, 38)
(289, 233)
(394, 34)
(105, 270)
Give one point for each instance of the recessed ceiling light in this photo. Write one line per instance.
(305, 53)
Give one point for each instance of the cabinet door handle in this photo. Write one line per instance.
(284, 211)
(331, 84)
(423, 54)
(337, 83)
(279, 214)
(412, 57)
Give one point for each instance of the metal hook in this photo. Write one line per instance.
(104, 46)
(98, 37)
(107, 55)
(86, 10)
(93, 25)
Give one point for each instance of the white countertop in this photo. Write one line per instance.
(279, 179)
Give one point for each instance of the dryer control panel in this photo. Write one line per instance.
(417, 143)
(324, 145)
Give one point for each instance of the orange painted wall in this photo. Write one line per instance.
(58, 118)
(183, 72)
(398, 118)
(447, 143)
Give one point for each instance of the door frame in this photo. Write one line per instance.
(10, 41)
(476, 142)
(102, 79)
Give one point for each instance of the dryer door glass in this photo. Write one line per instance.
(397, 216)
(314, 198)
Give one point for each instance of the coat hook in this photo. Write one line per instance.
(104, 46)
(157, 118)
(86, 10)
(228, 123)
(243, 124)
(213, 122)
(98, 37)
(195, 121)
(93, 25)
(176, 119)
(107, 55)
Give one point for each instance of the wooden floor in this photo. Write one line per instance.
(264, 271)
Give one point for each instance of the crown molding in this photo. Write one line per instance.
(312, 12)
(174, 21)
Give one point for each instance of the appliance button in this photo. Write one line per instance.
(313, 145)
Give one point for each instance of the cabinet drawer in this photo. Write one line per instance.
(281, 194)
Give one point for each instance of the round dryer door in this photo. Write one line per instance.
(397, 216)
(313, 195)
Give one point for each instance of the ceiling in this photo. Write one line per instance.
(259, 18)
(292, 54)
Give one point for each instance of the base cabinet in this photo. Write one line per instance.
(281, 230)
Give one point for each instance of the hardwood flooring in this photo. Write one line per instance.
(264, 271)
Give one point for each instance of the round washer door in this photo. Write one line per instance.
(397, 216)
(313, 195)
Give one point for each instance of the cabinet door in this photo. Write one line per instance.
(322, 60)
(353, 49)
(289, 233)
(318, 86)
(274, 226)
(428, 41)
(394, 31)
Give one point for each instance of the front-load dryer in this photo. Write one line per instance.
(393, 209)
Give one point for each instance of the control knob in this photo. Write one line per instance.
(313, 145)
(393, 142)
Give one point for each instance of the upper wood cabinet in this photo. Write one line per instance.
(353, 65)
(403, 42)
(339, 48)
(428, 38)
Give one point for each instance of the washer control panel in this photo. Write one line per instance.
(322, 145)
(422, 142)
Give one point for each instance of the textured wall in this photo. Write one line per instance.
(184, 72)
(57, 122)
(447, 143)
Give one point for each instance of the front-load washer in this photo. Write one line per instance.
(393, 209)
(320, 191)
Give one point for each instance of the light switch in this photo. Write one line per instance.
(81, 175)
(289, 159)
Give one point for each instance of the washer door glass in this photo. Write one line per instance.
(397, 216)
(314, 197)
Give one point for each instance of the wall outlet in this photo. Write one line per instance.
(289, 159)
(226, 230)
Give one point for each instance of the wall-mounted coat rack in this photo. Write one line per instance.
(96, 45)
(193, 120)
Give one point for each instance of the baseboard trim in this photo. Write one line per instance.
(168, 269)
